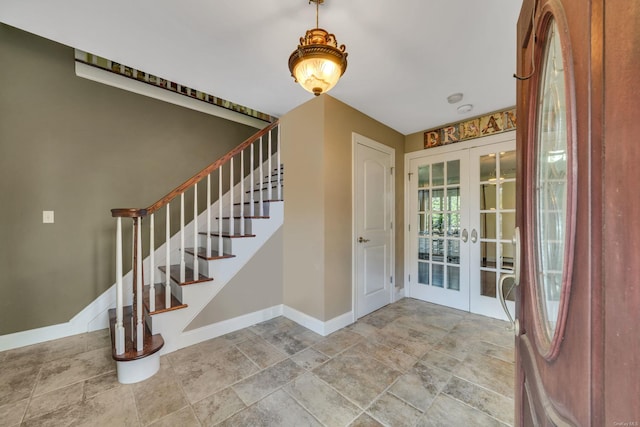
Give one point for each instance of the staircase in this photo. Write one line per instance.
(234, 212)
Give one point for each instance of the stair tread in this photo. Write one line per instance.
(246, 217)
(160, 300)
(202, 253)
(231, 236)
(258, 201)
(188, 275)
(151, 343)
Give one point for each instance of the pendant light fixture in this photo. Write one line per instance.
(318, 63)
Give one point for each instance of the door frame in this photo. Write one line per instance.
(357, 138)
(443, 149)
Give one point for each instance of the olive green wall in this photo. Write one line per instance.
(414, 142)
(317, 152)
(79, 148)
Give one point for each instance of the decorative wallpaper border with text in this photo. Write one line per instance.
(489, 124)
(132, 73)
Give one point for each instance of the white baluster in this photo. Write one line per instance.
(231, 181)
(152, 265)
(220, 248)
(167, 243)
(182, 264)
(270, 191)
(253, 167)
(119, 292)
(279, 166)
(196, 267)
(139, 324)
(209, 216)
(260, 208)
(241, 193)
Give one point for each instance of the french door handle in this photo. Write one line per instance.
(501, 294)
(516, 261)
(465, 235)
(474, 236)
(361, 240)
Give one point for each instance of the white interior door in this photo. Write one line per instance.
(373, 216)
(461, 219)
(493, 195)
(438, 230)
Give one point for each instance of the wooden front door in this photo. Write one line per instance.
(578, 301)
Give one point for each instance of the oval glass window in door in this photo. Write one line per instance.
(552, 193)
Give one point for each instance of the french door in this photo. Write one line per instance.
(460, 226)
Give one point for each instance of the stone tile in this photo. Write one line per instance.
(489, 372)
(361, 378)
(337, 342)
(363, 329)
(54, 400)
(62, 372)
(405, 339)
(293, 340)
(16, 383)
(112, 408)
(277, 409)
(420, 385)
(440, 360)
(218, 407)
(204, 375)
(446, 412)
(66, 347)
(391, 411)
(454, 346)
(260, 351)
(309, 358)
(11, 414)
(380, 318)
(239, 336)
(264, 382)
(25, 357)
(98, 339)
(183, 418)
(487, 401)
(322, 401)
(425, 325)
(365, 420)
(489, 349)
(100, 384)
(387, 355)
(159, 395)
(273, 326)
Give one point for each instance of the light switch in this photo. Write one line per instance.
(47, 217)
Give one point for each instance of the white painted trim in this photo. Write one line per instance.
(134, 371)
(318, 326)
(361, 139)
(141, 88)
(400, 293)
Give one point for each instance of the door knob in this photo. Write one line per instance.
(361, 240)
(501, 294)
(465, 235)
(516, 261)
(474, 236)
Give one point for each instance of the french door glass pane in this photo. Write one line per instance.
(453, 278)
(487, 196)
(423, 273)
(487, 225)
(438, 275)
(423, 249)
(423, 176)
(453, 172)
(438, 174)
(488, 283)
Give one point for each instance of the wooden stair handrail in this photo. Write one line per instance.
(140, 212)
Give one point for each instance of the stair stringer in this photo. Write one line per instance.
(171, 325)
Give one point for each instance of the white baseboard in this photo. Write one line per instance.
(399, 294)
(318, 326)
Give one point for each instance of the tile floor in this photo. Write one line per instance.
(409, 364)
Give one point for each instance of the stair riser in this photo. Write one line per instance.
(226, 225)
(265, 194)
(227, 243)
(247, 209)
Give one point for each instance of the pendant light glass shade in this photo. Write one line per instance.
(318, 63)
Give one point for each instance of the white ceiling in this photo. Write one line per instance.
(405, 56)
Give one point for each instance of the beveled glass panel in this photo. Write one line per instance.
(437, 224)
(453, 172)
(487, 226)
(488, 283)
(423, 224)
(423, 273)
(487, 197)
(508, 195)
(437, 249)
(438, 174)
(550, 195)
(424, 247)
(488, 169)
(437, 200)
(507, 225)
(453, 251)
(423, 200)
(487, 254)
(508, 164)
(453, 278)
(438, 275)
(453, 199)
(423, 176)
(453, 225)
